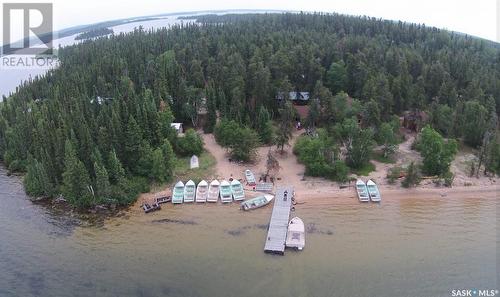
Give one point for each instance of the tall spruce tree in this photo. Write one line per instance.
(264, 126)
(76, 187)
(284, 133)
(102, 189)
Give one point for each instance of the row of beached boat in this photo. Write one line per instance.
(225, 191)
(368, 191)
(204, 192)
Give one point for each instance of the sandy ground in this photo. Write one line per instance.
(320, 191)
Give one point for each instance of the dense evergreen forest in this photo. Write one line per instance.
(97, 129)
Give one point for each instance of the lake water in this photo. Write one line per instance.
(408, 247)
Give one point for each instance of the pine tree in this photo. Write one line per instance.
(165, 118)
(313, 114)
(372, 114)
(36, 180)
(336, 77)
(133, 144)
(158, 170)
(223, 103)
(264, 126)
(284, 133)
(115, 168)
(76, 187)
(475, 123)
(102, 185)
(211, 108)
(168, 158)
(144, 165)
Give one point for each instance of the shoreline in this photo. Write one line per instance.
(320, 198)
(320, 191)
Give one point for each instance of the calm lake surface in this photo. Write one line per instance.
(409, 247)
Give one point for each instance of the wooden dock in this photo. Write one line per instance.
(276, 235)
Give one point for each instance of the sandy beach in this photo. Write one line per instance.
(320, 191)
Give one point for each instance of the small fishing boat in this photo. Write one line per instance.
(163, 199)
(189, 191)
(226, 195)
(373, 191)
(237, 189)
(256, 202)
(264, 187)
(296, 236)
(362, 191)
(150, 208)
(213, 191)
(202, 191)
(250, 178)
(178, 193)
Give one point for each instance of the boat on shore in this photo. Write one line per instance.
(202, 191)
(226, 195)
(150, 208)
(250, 178)
(295, 236)
(178, 193)
(213, 191)
(257, 202)
(264, 187)
(163, 199)
(373, 191)
(237, 189)
(189, 191)
(362, 191)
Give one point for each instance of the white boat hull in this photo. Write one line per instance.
(362, 191)
(178, 193)
(226, 194)
(213, 192)
(202, 192)
(189, 192)
(295, 237)
(237, 190)
(373, 191)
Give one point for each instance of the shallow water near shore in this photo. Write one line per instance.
(406, 247)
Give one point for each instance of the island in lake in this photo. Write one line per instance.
(94, 33)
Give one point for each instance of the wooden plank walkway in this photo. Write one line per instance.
(276, 235)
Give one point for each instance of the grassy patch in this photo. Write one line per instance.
(365, 170)
(379, 156)
(205, 171)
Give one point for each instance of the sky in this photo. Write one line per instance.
(479, 17)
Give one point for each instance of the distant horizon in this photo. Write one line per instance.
(84, 26)
(479, 19)
(243, 10)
